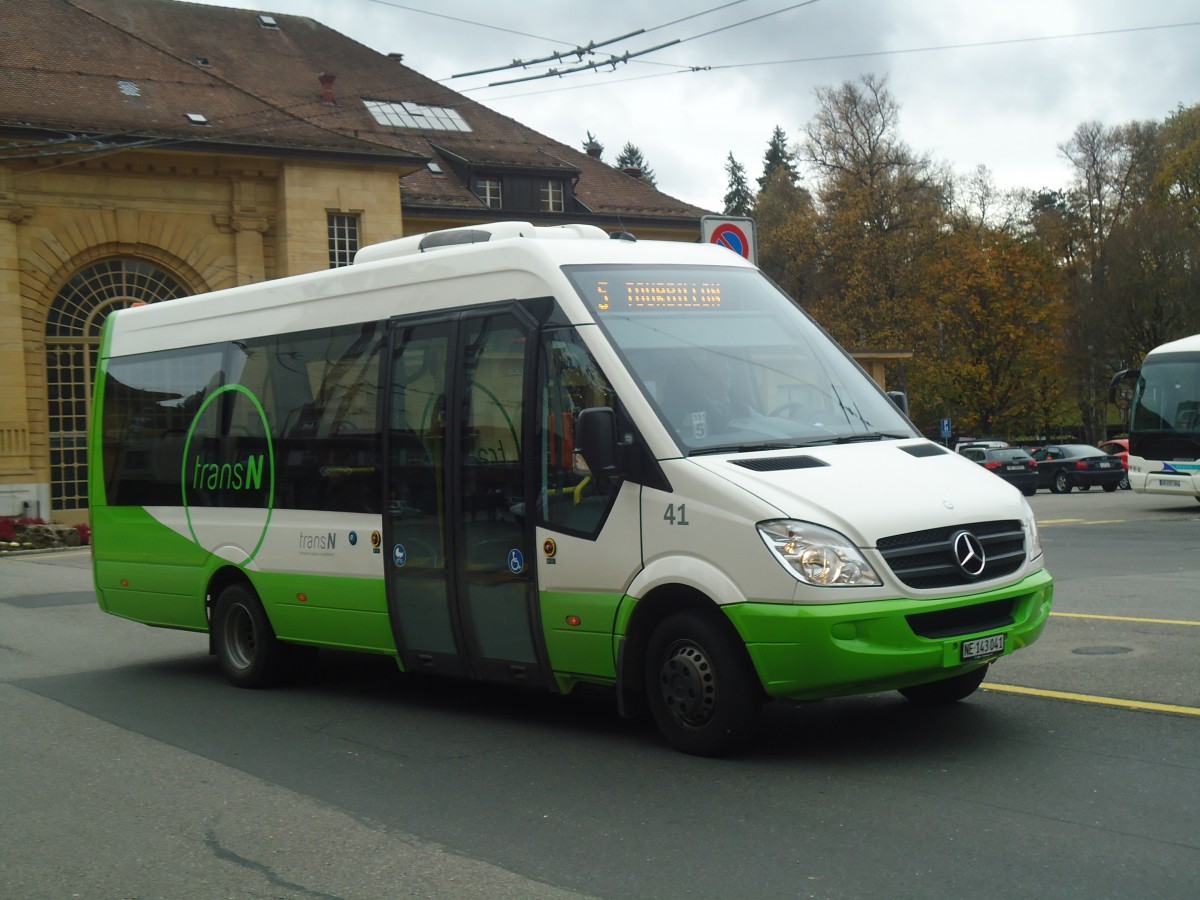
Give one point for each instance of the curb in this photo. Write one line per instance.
(43, 551)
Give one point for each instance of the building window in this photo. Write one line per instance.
(552, 195)
(488, 190)
(72, 345)
(343, 239)
(406, 114)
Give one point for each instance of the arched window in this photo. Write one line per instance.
(73, 328)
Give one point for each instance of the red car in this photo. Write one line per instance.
(1119, 447)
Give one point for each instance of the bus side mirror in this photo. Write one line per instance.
(899, 400)
(1120, 389)
(596, 441)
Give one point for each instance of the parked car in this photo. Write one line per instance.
(1012, 464)
(1119, 447)
(1061, 467)
(978, 442)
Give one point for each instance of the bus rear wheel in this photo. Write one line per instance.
(700, 686)
(247, 649)
(946, 691)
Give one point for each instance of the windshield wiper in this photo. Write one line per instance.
(745, 448)
(870, 436)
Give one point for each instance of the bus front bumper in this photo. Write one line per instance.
(812, 652)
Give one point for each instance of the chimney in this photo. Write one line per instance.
(632, 171)
(326, 79)
(594, 149)
(396, 57)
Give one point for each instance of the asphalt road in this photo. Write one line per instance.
(128, 768)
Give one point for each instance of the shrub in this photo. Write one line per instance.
(8, 528)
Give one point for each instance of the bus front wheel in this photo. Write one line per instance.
(247, 649)
(700, 686)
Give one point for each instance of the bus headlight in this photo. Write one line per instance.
(1035, 539)
(816, 555)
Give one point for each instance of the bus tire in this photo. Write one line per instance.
(247, 649)
(946, 691)
(701, 687)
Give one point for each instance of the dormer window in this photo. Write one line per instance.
(488, 190)
(552, 195)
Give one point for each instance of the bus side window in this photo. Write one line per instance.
(570, 381)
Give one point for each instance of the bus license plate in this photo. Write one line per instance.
(1167, 482)
(988, 646)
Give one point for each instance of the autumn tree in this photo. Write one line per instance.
(880, 207)
(738, 199)
(989, 357)
(788, 248)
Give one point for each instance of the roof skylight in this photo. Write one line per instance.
(406, 114)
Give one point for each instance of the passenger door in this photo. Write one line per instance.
(461, 590)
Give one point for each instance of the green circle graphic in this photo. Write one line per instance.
(183, 473)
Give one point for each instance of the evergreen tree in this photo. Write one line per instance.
(590, 146)
(631, 156)
(738, 199)
(777, 157)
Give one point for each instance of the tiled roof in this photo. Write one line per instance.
(133, 70)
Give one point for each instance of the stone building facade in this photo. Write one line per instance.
(151, 149)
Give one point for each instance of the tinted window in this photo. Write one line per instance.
(294, 414)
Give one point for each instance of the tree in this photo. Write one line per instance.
(738, 199)
(593, 147)
(631, 157)
(788, 247)
(881, 208)
(990, 359)
(777, 157)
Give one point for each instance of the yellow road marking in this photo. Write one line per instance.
(1090, 698)
(1067, 615)
(1042, 522)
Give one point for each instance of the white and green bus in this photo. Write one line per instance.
(542, 457)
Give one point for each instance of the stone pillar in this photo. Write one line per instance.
(248, 230)
(16, 473)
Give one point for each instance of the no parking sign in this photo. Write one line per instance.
(735, 233)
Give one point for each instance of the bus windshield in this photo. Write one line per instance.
(1166, 408)
(730, 362)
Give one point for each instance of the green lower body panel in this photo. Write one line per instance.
(578, 628)
(811, 652)
(337, 611)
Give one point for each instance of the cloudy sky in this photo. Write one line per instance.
(999, 83)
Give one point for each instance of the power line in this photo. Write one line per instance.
(625, 57)
(611, 61)
(684, 69)
(580, 51)
(426, 12)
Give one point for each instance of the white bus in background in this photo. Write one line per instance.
(1163, 404)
